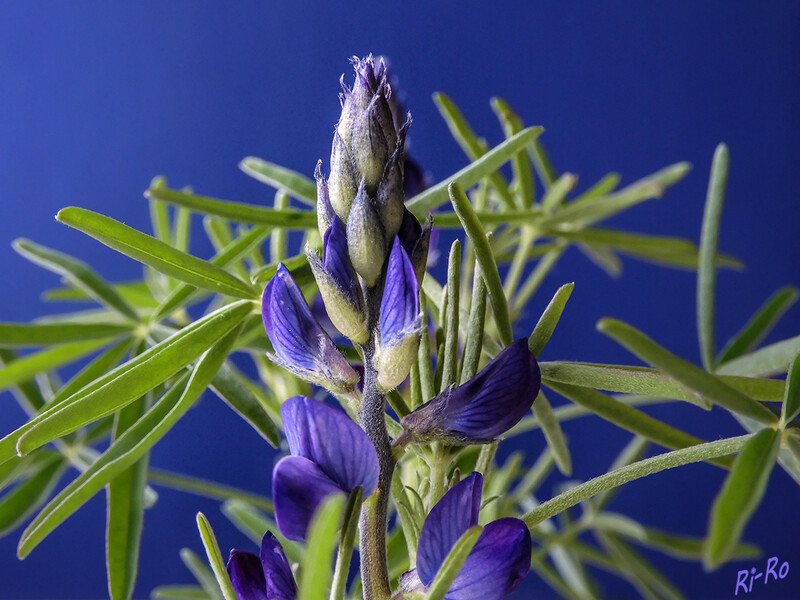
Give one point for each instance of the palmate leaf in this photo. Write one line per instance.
(127, 382)
(154, 253)
(130, 447)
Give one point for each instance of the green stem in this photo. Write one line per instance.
(639, 469)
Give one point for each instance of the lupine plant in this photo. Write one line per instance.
(391, 389)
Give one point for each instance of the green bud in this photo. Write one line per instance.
(394, 362)
(366, 243)
(374, 140)
(390, 197)
(343, 182)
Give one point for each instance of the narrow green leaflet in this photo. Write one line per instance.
(135, 293)
(253, 523)
(453, 563)
(202, 573)
(685, 372)
(17, 335)
(435, 196)
(206, 488)
(552, 431)
(466, 138)
(297, 266)
(231, 253)
(623, 475)
(99, 366)
(450, 358)
(557, 192)
(215, 557)
(28, 495)
(630, 418)
(760, 324)
(765, 362)
(238, 211)
(606, 206)
(129, 448)
(299, 186)
(179, 592)
(127, 382)
(603, 187)
(27, 393)
(483, 252)
(316, 576)
(709, 241)
(125, 506)
(791, 397)
(25, 367)
(740, 496)
(352, 510)
(520, 167)
(649, 382)
(549, 319)
(228, 386)
(77, 273)
(473, 344)
(154, 253)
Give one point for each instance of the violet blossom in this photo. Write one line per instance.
(265, 577)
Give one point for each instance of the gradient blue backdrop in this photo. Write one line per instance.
(96, 98)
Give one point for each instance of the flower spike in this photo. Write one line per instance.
(485, 407)
(301, 346)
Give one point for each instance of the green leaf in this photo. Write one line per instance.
(631, 419)
(649, 382)
(135, 293)
(297, 266)
(129, 448)
(664, 250)
(27, 393)
(77, 273)
(205, 488)
(466, 138)
(760, 324)
(685, 372)
(316, 576)
(19, 503)
(181, 233)
(125, 512)
(179, 592)
(470, 359)
(299, 186)
(202, 573)
(740, 496)
(764, 362)
(483, 253)
(520, 166)
(215, 557)
(604, 207)
(549, 319)
(231, 253)
(230, 388)
(453, 563)
(352, 510)
(238, 211)
(154, 253)
(791, 397)
(709, 241)
(623, 475)
(25, 367)
(253, 523)
(603, 187)
(16, 335)
(557, 192)
(450, 358)
(552, 432)
(127, 382)
(435, 196)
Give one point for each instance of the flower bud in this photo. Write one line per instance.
(415, 239)
(300, 344)
(400, 320)
(485, 407)
(338, 285)
(374, 140)
(343, 181)
(365, 238)
(325, 212)
(390, 195)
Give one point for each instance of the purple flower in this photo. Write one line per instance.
(264, 577)
(329, 454)
(498, 562)
(301, 346)
(338, 283)
(400, 319)
(486, 406)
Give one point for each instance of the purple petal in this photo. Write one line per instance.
(400, 303)
(487, 405)
(410, 231)
(497, 564)
(329, 438)
(298, 488)
(280, 583)
(456, 512)
(247, 576)
(300, 343)
(337, 260)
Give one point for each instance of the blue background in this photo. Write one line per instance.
(96, 98)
